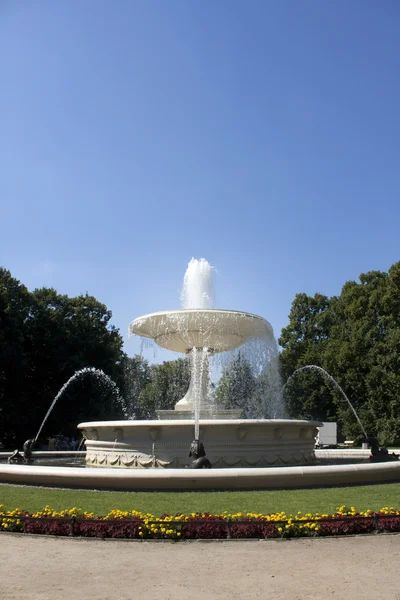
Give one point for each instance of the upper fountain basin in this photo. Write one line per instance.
(218, 330)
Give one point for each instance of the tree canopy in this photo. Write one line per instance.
(237, 387)
(44, 338)
(356, 338)
(164, 386)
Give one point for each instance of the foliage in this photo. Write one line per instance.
(135, 525)
(165, 385)
(356, 338)
(305, 341)
(237, 387)
(259, 396)
(15, 308)
(44, 338)
(136, 375)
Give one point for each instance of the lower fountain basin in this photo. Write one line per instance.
(230, 443)
(201, 479)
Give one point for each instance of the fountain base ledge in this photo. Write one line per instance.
(229, 443)
(207, 479)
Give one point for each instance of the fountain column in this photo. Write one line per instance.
(198, 391)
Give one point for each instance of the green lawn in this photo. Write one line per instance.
(311, 500)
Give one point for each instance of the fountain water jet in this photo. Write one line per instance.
(98, 373)
(198, 288)
(332, 380)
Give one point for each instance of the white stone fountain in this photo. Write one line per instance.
(268, 446)
(199, 331)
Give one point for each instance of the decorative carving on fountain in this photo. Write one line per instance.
(25, 458)
(241, 433)
(119, 434)
(200, 461)
(134, 461)
(154, 433)
(305, 433)
(380, 454)
(93, 434)
(146, 461)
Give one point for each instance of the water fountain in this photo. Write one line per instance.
(244, 453)
(200, 331)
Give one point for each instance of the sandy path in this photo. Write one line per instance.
(37, 568)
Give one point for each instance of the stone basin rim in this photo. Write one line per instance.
(187, 311)
(291, 477)
(204, 422)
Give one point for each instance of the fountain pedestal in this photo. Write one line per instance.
(185, 408)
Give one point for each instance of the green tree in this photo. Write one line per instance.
(356, 338)
(364, 351)
(168, 383)
(15, 314)
(237, 387)
(305, 341)
(136, 372)
(66, 335)
(45, 337)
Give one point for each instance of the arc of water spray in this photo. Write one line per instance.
(86, 371)
(332, 380)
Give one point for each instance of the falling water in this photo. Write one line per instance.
(260, 385)
(83, 440)
(76, 460)
(97, 373)
(332, 380)
(199, 359)
(273, 403)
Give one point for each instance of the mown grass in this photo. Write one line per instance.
(101, 502)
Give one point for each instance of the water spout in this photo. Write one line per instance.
(76, 376)
(198, 289)
(200, 378)
(332, 380)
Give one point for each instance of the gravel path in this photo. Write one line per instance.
(43, 568)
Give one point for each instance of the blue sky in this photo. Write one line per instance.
(262, 135)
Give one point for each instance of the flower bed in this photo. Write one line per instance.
(137, 525)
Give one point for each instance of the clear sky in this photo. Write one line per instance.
(261, 135)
